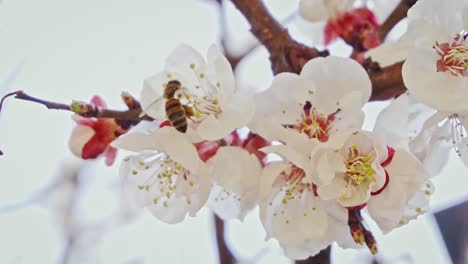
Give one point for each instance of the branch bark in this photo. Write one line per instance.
(323, 257)
(398, 14)
(387, 82)
(224, 254)
(286, 55)
(86, 110)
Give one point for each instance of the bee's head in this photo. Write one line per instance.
(171, 87)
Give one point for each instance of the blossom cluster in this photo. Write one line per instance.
(212, 143)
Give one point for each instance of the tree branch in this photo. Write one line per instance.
(224, 254)
(286, 55)
(323, 257)
(387, 82)
(398, 14)
(82, 108)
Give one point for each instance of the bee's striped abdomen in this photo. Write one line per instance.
(176, 114)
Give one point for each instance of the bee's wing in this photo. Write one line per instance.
(155, 109)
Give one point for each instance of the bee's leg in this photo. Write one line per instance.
(188, 111)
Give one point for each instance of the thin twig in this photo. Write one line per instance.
(224, 254)
(235, 59)
(398, 14)
(323, 257)
(86, 110)
(286, 54)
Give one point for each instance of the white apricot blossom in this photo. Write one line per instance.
(235, 174)
(167, 176)
(292, 212)
(355, 168)
(401, 125)
(436, 69)
(437, 64)
(326, 97)
(208, 91)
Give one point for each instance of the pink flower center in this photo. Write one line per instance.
(314, 124)
(453, 56)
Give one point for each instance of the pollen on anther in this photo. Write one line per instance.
(134, 172)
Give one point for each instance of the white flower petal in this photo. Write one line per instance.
(406, 176)
(445, 14)
(186, 56)
(184, 201)
(331, 86)
(440, 90)
(296, 221)
(220, 70)
(136, 142)
(178, 146)
(79, 137)
(236, 174)
(289, 154)
(463, 151)
(313, 10)
(388, 53)
(237, 112)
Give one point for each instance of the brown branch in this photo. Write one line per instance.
(398, 14)
(323, 257)
(235, 59)
(82, 108)
(387, 82)
(286, 55)
(225, 255)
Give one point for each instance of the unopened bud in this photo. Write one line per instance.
(358, 236)
(81, 108)
(129, 100)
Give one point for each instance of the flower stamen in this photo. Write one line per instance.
(458, 132)
(359, 168)
(291, 183)
(453, 56)
(314, 124)
(164, 181)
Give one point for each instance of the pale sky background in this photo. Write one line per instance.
(66, 49)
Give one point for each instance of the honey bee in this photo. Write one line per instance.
(176, 112)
